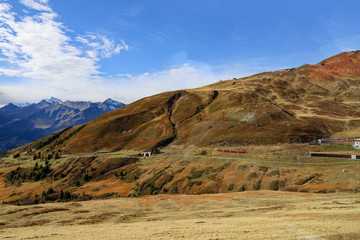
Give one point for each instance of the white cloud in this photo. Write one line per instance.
(39, 50)
(128, 88)
(125, 87)
(9, 72)
(40, 5)
(38, 47)
(99, 46)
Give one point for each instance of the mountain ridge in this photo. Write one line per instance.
(270, 116)
(25, 123)
(289, 105)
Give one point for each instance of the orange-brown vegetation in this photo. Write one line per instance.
(288, 106)
(199, 171)
(246, 215)
(254, 113)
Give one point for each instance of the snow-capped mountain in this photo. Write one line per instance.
(53, 100)
(23, 123)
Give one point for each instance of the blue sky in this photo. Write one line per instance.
(126, 50)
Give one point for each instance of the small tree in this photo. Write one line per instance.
(44, 196)
(67, 195)
(61, 194)
(50, 191)
(155, 150)
(86, 177)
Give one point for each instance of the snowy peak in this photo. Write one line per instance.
(111, 104)
(37, 120)
(110, 101)
(9, 107)
(21, 105)
(53, 100)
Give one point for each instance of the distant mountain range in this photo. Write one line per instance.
(24, 123)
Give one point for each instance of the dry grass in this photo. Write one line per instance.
(247, 215)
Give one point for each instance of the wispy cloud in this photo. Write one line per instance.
(39, 46)
(99, 46)
(133, 11)
(40, 5)
(129, 87)
(53, 61)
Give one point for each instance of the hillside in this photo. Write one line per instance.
(22, 124)
(243, 215)
(270, 115)
(288, 106)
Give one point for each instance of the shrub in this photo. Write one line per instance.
(201, 151)
(86, 177)
(109, 194)
(273, 173)
(257, 185)
(231, 187)
(263, 168)
(252, 175)
(274, 185)
(241, 189)
(50, 190)
(155, 150)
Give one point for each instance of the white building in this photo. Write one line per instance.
(357, 143)
(145, 154)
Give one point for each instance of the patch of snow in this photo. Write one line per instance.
(110, 101)
(21, 105)
(53, 100)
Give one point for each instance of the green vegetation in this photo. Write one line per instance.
(337, 147)
(66, 196)
(231, 187)
(274, 185)
(50, 139)
(201, 151)
(70, 135)
(21, 174)
(273, 173)
(155, 150)
(252, 175)
(47, 154)
(50, 152)
(257, 185)
(109, 194)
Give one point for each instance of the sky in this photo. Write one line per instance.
(127, 50)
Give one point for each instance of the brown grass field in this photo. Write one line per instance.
(245, 215)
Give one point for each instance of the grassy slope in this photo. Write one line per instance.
(178, 171)
(248, 215)
(292, 105)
